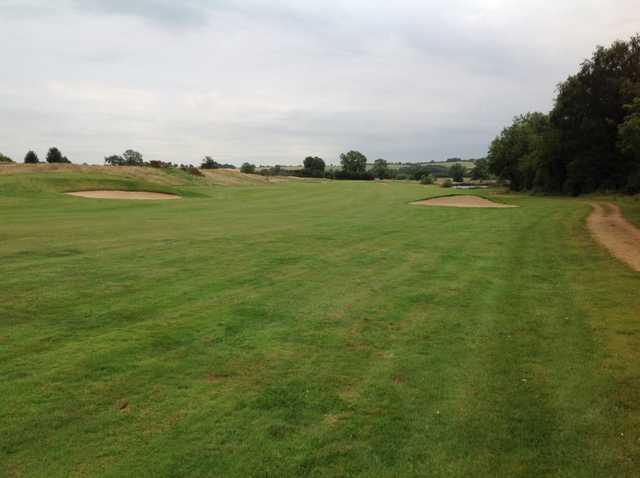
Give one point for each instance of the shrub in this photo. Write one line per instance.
(426, 179)
(114, 160)
(417, 171)
(5, 159)
(189, 168)
(447, 184)
(354, 175)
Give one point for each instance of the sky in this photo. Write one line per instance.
(271, 82)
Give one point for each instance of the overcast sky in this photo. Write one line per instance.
(274, 81)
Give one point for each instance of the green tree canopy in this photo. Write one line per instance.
(248, 168)
(629, 145)
(519, 151)
(457, 172)
(31, 158)
(313, 166)
(629, 132)
(5, 159)
(132, 158)
(427, 179)
(589, 108)
(114, 160)
(55, 156)
(381, 169)
(480, 170)
(353, 162)
(587, 142)
(209, 163)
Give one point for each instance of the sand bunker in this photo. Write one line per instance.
(461, 201)
(621, 238)
(135, 195)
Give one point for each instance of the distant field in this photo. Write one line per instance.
(469, 165)
(303, 328)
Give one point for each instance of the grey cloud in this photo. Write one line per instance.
(165, 12)
(188, 13)
(274, 81)
(27, 8)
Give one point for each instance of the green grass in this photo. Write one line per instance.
(630, 206)
(310, 329)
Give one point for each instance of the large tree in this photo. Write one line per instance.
(589, 108)
(353, 162)
(54, 155)
(133, 158)
(313, 166)
(520, 153)
(586, 142)
(128, 158)
(381, 169)
(457, 172)
(31, 158)
(480, 170)
(5, 159)
(629, 132)
(629, 145)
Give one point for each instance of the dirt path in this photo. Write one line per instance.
(461, 201)
(609, 227)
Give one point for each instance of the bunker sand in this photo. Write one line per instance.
(621, 238)
(462, 201)
(135, 195)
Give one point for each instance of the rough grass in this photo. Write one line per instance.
(166, 177)
(310, 329)
(630, 206)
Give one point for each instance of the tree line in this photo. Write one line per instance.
(590, 141)
(353, 166)
(53, 156)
